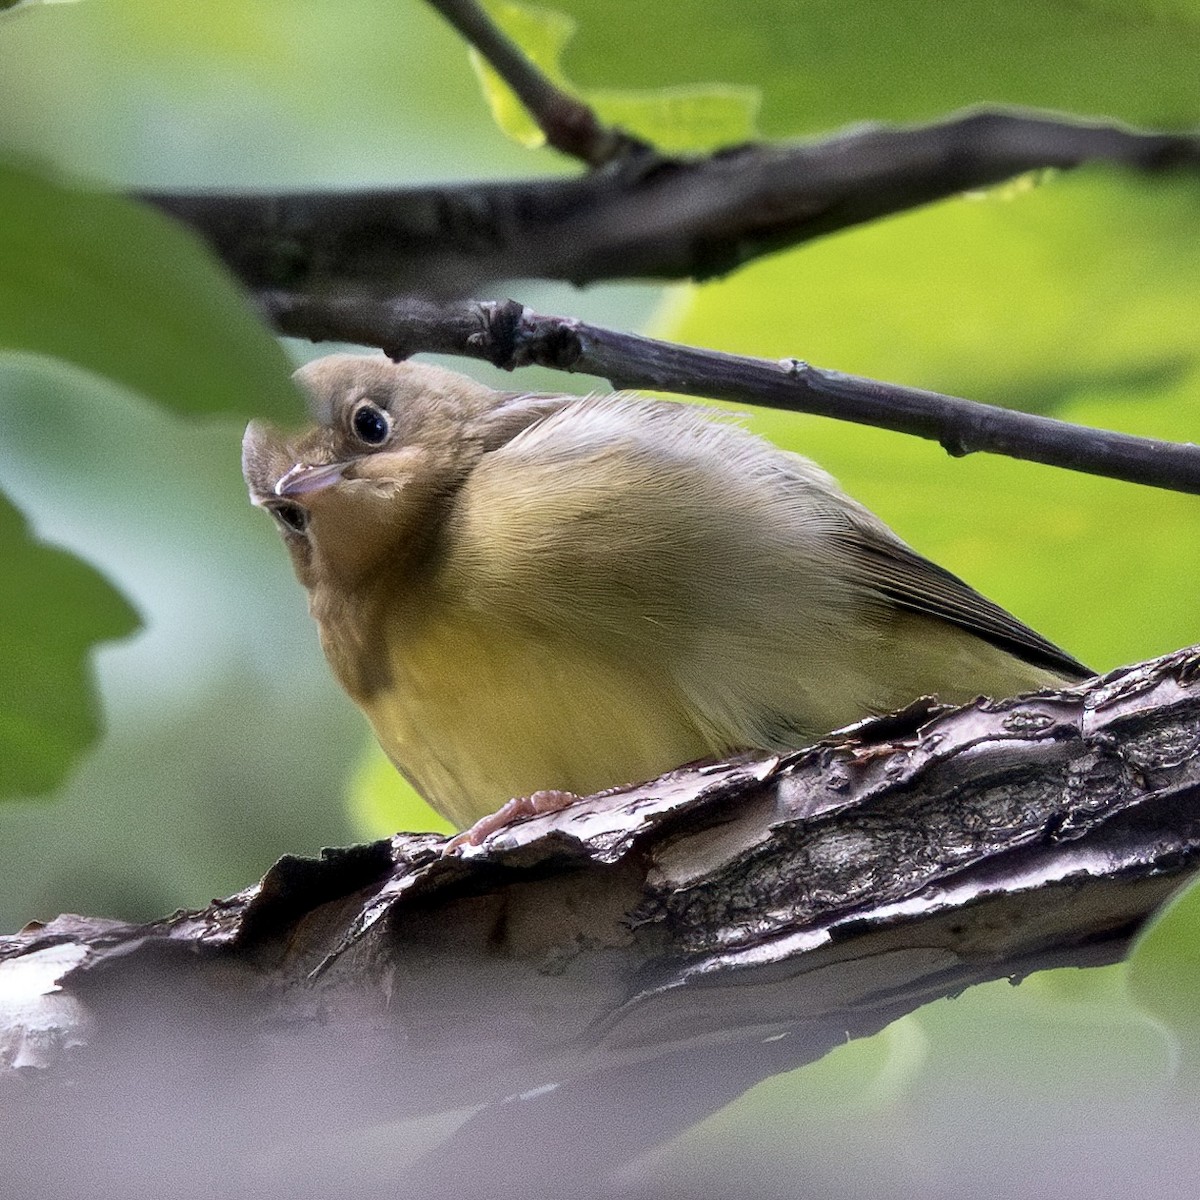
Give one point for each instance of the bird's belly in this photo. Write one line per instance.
(475, 716)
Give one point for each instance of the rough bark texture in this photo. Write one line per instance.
(593, 981)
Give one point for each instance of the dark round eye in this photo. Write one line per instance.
(290, 516)
(371, 424)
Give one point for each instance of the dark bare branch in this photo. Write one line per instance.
(643, 216)
(598, 978)
(510, 335)
(569, 124)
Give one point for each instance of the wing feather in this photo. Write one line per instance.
(914, 583)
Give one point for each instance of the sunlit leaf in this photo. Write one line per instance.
(381, 801)
(542, 34)
(679, 119)
(675, 119)
(116, 288)
(827, 63)
(56, 608)
(1018, 297)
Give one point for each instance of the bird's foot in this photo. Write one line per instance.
(517, 809)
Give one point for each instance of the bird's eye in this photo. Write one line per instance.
(371, 424)
(290, 516)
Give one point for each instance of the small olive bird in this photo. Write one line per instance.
(533, 594)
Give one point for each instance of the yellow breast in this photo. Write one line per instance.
(476, 713)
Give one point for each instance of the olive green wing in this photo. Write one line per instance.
(909, 581)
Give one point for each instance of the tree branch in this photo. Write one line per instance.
(594, 980)
(569, 124)
(644, 216)
(510, 335)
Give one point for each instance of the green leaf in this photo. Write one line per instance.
(542, 33)
(684, 117)
(826, 63)
(118, 289)
(381, 801)
(1017, 296)
(6, 5)
(56, 609)
(172, 93)
(1163, 971)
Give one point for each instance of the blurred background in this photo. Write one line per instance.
(226, 743)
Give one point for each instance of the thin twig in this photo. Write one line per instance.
(569, 124)
(509, 335)
(642, 217)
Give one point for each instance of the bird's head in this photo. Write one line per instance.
(367, 483)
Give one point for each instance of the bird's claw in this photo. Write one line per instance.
(519, 808)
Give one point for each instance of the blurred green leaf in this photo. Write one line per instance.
(675, 119)
(826, 63)
(1163, 970)
(1019, 296)
(174, 94)
(5, 5)
(542, 33)
(380, 801)
(56, 609)
(118, 289)
(682, 118)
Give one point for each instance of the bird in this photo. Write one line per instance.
(534, 596)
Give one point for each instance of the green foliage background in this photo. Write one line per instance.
(128, 364)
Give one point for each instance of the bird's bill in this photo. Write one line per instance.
(303, 480)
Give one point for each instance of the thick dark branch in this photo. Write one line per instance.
(569, 124)
(599, 978)
(509, 335)
(643, 216)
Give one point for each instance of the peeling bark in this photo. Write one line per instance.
(592, 981)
